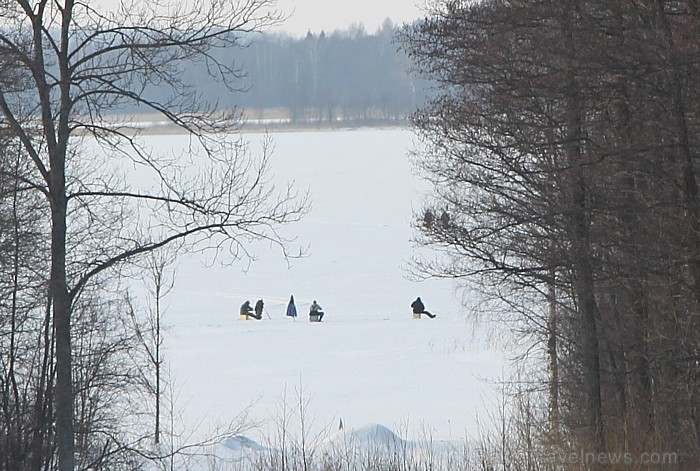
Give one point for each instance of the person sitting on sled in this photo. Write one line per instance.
(316, 310)
(246, 310)
(419, 308)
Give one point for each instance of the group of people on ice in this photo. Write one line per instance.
(247, 311)
(315, 311)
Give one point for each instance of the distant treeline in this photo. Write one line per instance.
(348, 75)
(344, 75)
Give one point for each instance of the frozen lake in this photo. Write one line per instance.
(369, 361)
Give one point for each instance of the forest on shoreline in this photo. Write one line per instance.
(345, 78)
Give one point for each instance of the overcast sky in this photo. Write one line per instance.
(329, 15)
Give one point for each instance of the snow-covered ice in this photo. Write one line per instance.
(369, 362)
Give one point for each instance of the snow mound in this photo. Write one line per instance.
(374, 433)
(242, 443)
(375, 436)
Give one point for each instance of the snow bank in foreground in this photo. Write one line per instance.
(372, 436)
(375, 445)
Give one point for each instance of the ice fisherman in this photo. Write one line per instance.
(419, 308)
(246, 309)
(316, 310)
(445, 219)
(291, 307)
(428, 218)
(259, 305)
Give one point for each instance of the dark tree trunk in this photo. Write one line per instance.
(62, 320)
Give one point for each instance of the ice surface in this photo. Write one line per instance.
(369, 361)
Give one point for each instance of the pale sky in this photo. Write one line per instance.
(329, 15)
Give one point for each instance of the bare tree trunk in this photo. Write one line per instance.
(162, 285)
(56, 133)
(584, 287)
(157, 367)
(14, 422)
(591, 354)
(584, 283)
(65, 427)
(42, 408)
(62, 318)
(553, 359)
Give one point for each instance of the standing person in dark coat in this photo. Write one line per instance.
(259, 309)
(445, 219)
(291, 308)
(419, 308)
(428, 218)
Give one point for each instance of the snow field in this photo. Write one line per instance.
(369, 361)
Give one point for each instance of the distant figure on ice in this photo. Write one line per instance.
(428, 218)
(419, 308)
(315, 312)
(445, 219)
(259, 309)
(246, 310)
(291, 308)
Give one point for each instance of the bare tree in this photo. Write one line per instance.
(25, 346)
(82, 63)
(159, 279)
(563, 145)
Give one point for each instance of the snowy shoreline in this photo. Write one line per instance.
(154, 125)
